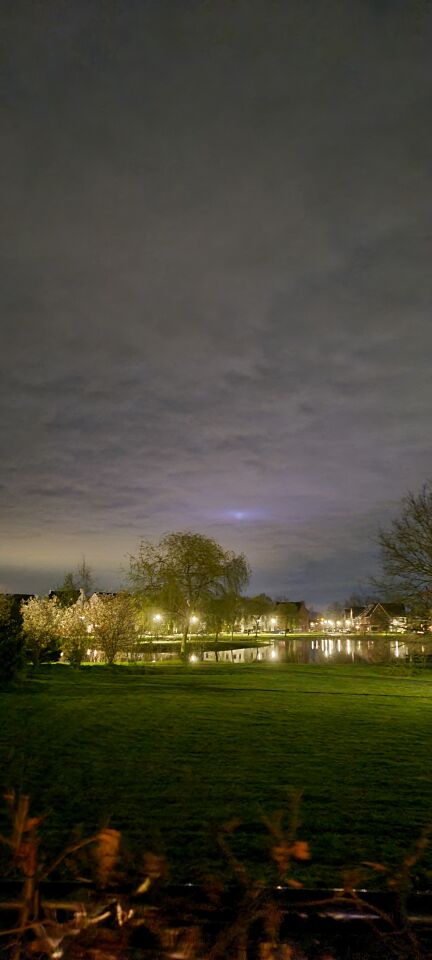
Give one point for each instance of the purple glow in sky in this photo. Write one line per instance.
(216, 291)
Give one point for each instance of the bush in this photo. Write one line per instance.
(11, 639)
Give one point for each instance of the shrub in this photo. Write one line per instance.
(11, 639)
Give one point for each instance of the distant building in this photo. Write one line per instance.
(352, 616)
(19, 598)
(378, 617)
(66, 596)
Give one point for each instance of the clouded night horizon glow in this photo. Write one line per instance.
(216, 283)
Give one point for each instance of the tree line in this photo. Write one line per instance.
(186, 575)
(186, 583)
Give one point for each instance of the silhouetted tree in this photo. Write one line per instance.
(257, 608)
(11, 638)
(406, 553)
(80, 580)
(287, 615)
(68, 592)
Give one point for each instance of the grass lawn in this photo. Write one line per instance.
(169, 754)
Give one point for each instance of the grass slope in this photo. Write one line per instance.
(170, 754)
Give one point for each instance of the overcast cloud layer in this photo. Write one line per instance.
(216, 282)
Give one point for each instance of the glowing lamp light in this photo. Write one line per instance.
(273, 655)
(194, 619)
(193, 658)
(157, 617)
(273, 620)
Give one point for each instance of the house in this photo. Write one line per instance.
(381, 617)
(66, 596)
(352, 617)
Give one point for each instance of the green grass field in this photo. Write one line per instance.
(169, 754)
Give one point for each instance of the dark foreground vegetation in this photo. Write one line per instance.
(100, 917)
(168, 755)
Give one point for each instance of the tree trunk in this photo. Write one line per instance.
(35, 657)
(184, 643)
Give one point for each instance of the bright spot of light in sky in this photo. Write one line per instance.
(245, 514)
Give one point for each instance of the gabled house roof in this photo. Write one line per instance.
(296, 603)
(299, 604)
(20, 597)
(389, 609)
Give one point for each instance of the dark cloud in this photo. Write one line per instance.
(216, 282)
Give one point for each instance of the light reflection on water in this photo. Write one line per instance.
(365, 649)
(319, 649)
(314, 649)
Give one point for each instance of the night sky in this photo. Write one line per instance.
(217, 278)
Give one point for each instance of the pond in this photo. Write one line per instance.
(313, 649)
(321, 649)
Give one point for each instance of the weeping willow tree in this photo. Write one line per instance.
(182, 574)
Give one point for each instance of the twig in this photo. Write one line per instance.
(72, 849)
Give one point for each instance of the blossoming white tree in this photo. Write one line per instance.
(75, 626)
(113, 620)
(41, 625)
